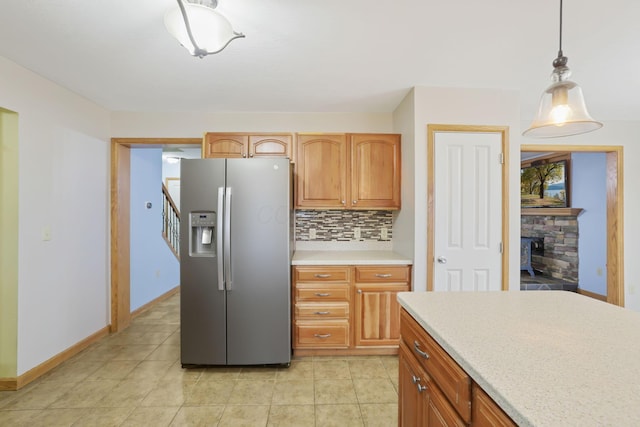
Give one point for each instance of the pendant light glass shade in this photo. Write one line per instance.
(210, 30)
(562, 110)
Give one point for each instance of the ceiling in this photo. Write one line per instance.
(330, 55)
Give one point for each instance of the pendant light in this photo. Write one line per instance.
(199, 28)
(562, 111)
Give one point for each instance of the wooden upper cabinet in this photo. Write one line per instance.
(215, 145)
(348, 171)
(321, 171)
(271, 145)
(375, 171)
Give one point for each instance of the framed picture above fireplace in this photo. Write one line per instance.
(544, 183)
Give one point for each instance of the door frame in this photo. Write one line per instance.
(615, 210)
(431, 131)
(120, 221)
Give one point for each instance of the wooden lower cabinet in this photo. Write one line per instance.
(347, 309)
(485, 412)
(420, 402)
(434, 390)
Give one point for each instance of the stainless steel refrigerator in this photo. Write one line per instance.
(235, 254)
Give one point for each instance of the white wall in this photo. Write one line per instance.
(193, 125)
(63, 284)
(404, 224)
(468, 107)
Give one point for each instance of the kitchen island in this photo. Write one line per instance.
(549, 358)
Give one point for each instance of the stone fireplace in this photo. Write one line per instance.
(559, 257)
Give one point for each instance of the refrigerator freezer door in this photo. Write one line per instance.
(258, 305)
(202, 313)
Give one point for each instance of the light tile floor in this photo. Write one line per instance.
(134, 378)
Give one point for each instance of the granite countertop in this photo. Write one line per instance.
(548, 358)
(350, 257)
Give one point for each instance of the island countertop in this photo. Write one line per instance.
(364, 257)
(547, 358)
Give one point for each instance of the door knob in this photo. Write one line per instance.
(442, 259)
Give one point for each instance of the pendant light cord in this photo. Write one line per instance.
(560, 48)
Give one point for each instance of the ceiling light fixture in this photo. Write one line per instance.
(199, 28)
(562, 111)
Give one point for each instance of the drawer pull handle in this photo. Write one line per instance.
(421, 388)
(320, 294)
(322, 313)
(383, 276)
(416, 347)
(415, 379)
(322, 336)
(322, 276)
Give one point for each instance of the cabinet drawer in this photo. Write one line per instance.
(321, 274)
(452, 380)
(318, 292)
(486, 412)
(382, 274)
(322, 334)
(313, 310)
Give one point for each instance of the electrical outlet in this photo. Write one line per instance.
(384, 233)
(312, 234)
(356, 233)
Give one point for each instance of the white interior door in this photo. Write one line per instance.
(467, 211)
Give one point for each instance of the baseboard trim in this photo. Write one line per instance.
(48, 365)
(138, 311)
(592, 295)
(8, 384)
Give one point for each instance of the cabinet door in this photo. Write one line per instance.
(375, 171)
(413, 398)
(217, 145)
(321, 171)
(377, 314)
(270, 145)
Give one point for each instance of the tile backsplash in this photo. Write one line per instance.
(343, 225)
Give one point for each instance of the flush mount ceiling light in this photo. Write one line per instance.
(199, 28)
(562, 111)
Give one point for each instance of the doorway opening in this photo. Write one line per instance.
(120, 220)
(614, 212)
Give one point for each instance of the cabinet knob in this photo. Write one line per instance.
(359, 291)
(354, 202)
(421, 388)
(343, 202)
(251, 155)
(415, 379)
(244, 155)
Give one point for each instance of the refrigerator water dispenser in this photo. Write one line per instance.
(202, 237)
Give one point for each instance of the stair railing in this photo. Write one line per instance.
(170, 222)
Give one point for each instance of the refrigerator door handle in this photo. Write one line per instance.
(219, 237)
(227, 238)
